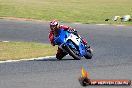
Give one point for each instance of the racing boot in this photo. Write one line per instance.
(60, 54)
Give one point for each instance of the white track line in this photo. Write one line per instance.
(4, 41)
(109, 24)
(102, 24)
(31, 59)
(120, 25)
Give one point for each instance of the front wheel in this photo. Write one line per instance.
(88, 54)
(72, 53)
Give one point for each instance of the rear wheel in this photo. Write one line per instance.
(73, 52)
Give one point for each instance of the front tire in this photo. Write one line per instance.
(88, 54)
(71, 53)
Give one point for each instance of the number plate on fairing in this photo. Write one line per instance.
(74, 38)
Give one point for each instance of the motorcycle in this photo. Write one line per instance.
(72, 45)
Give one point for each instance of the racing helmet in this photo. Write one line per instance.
(53, 25)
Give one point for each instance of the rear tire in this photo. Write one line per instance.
(71, 53)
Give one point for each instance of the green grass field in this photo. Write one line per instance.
(84, 11)
(24, 50)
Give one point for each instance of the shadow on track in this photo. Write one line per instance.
(54, 60)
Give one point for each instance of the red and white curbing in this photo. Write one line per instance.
(31, 59)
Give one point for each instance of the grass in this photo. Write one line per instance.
(24, 50)
(84, 11)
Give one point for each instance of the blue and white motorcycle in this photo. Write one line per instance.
(72, 45)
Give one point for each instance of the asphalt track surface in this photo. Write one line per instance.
(112, 58)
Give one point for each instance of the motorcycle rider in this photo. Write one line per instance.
(54, 26)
